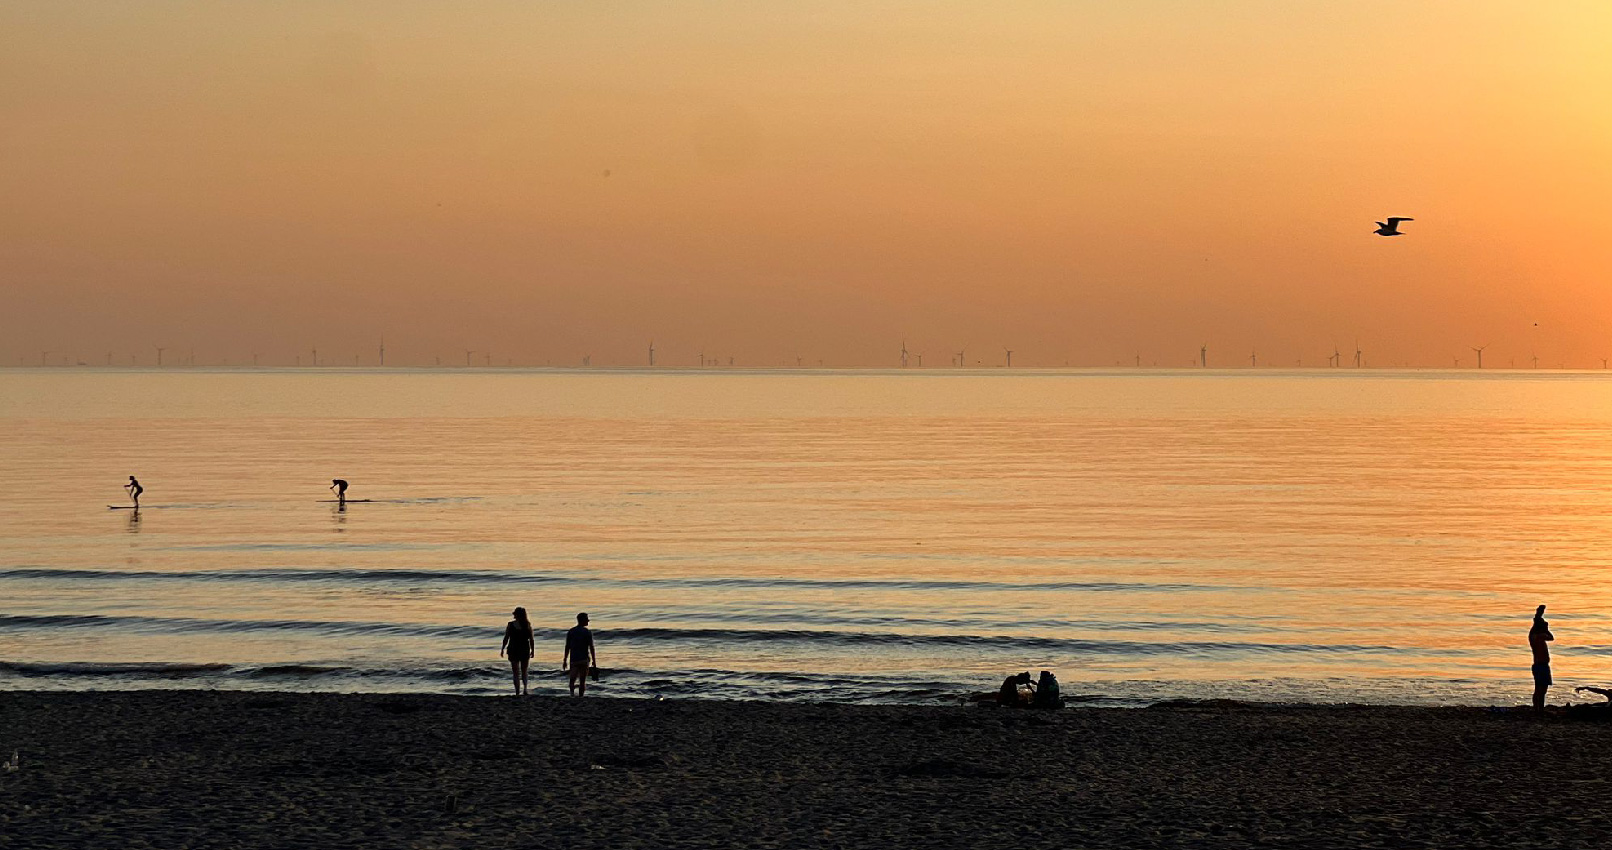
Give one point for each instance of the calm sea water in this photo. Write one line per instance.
(873, 536)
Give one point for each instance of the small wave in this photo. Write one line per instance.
(338, 576)
(1017, 643)
(502, 577)
(137, 669)
(295, 671)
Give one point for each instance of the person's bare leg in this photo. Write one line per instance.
(1539, 697)
(515, 666)
(525, 688)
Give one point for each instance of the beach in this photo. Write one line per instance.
(175, 769)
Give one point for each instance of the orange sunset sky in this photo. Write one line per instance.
(1079, 181)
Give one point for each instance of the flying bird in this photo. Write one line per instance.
(1391, 226)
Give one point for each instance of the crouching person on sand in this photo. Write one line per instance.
(1017, 691)
(1046, 692)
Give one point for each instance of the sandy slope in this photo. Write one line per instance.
(208, 769)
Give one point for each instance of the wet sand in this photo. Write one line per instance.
(176, 769)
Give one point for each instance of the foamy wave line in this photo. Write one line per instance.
(702, 683)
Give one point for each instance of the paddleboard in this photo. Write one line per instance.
(121, 508)
(348, 502)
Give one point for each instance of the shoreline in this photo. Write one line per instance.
(195, 768)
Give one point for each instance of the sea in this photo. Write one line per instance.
(873, 536)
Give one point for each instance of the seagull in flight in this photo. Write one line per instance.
(1391, 226)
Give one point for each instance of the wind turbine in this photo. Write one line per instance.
(960, 361)
(468, 352)
(383, 352)
(903, 354)
(1479, 350)
(42, 356)
(1203, 356)
(920, 360)
(1253, 359)
(316, 357)
(1009, 356)
(1357, 354)
(160, 350)
(1535, 358)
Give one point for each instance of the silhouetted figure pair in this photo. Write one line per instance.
(1020, 691)
(520, 647)
(1539, 637)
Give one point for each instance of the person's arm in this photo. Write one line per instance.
(565, 659)
(592, 653)
(502, 646)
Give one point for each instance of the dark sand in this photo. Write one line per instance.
(215, 769)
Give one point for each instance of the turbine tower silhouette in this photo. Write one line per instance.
(1479, 349)
(1357, 354)
(903, 354)
(1009, 356)
(1203, 356)
(651, 352)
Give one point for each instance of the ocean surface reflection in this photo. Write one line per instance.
(884, 536)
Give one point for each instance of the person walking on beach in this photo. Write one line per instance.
(579, 657)
(519, 647)
(340, 486)
(135, 490)
(1538, 640)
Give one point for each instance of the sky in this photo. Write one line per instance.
(1083, 182)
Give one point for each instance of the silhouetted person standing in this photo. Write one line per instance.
(1539, 638)
(519, 647)
(340, 486)
(579, 657)
(135, 490)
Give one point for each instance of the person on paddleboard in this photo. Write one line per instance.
(340, 486)
(135, 490)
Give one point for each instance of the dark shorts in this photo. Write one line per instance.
(518, 658)
(1542, 676)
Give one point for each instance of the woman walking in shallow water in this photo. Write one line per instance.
(518, 646)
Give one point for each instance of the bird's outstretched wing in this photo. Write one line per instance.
(1384, 225)
(1395, 220)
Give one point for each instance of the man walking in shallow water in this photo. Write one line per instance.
(579, 657)
(1538, 640)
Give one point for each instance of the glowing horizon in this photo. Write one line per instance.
(1081, 183)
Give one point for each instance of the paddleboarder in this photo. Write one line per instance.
(135, 490)
(340, 486)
